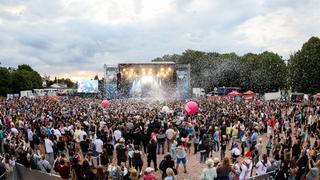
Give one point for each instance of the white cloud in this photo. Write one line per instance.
(75, 38)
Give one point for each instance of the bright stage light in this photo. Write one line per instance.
(147, 79)
(169, 69)
(162, 69)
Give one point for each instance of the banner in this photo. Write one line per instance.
(111, 80)
(183, 81)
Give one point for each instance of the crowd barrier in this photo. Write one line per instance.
(266, 176)
(22, 173)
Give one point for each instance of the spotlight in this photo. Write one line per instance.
(162, 69)
(146, 79)
(169, 69)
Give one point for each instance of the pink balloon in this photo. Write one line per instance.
(105, 103)
(191, 107)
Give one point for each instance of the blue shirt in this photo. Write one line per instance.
(216, 136)
(254, 137)
(190, 131)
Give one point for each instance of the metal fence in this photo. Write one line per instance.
(269, 175)
(22, 173)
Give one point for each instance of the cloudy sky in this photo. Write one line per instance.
(74, 38)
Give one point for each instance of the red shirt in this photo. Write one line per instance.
(64, 170)
(248, 154)
(149, 177)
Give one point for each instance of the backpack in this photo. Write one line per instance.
(136, 159)
(56, 165)
(1, 134)
(34, 163)
(161, 166)
(121, 150)
(269, 146)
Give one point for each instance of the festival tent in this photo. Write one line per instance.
(249, 94)
(234, 94)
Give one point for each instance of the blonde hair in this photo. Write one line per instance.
(134, 174)
(170, 172)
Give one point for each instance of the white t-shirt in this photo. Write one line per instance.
(57, 133)
(14, 130)
(245, 172)
(99, 145)
(30, 135)
(117, 134)
(48, 144)
(170, 133)
(262, 168)
(81, 134)
(236, 151)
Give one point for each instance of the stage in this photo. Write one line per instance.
(158, 80)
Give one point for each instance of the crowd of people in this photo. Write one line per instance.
(235, 139)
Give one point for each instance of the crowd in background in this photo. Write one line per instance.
(76, 138)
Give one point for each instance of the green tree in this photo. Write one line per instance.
(25, 67)
(4, 81)
(24, 78)
(168, 58)
(259, 72)
(21, 80)
(304, 67)
(270, 73)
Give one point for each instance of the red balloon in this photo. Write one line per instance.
(191, 107)
(105, 103)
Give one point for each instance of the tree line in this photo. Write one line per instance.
(15, 80)
(25, 78)
(263, 72)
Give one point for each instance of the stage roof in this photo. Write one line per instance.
(146, 63)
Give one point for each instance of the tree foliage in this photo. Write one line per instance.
(304, 67)
(23, 78)
(66, 81)
(259, 72)
(4, 81)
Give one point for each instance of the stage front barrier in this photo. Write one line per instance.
(22, 173)
(266, 176)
